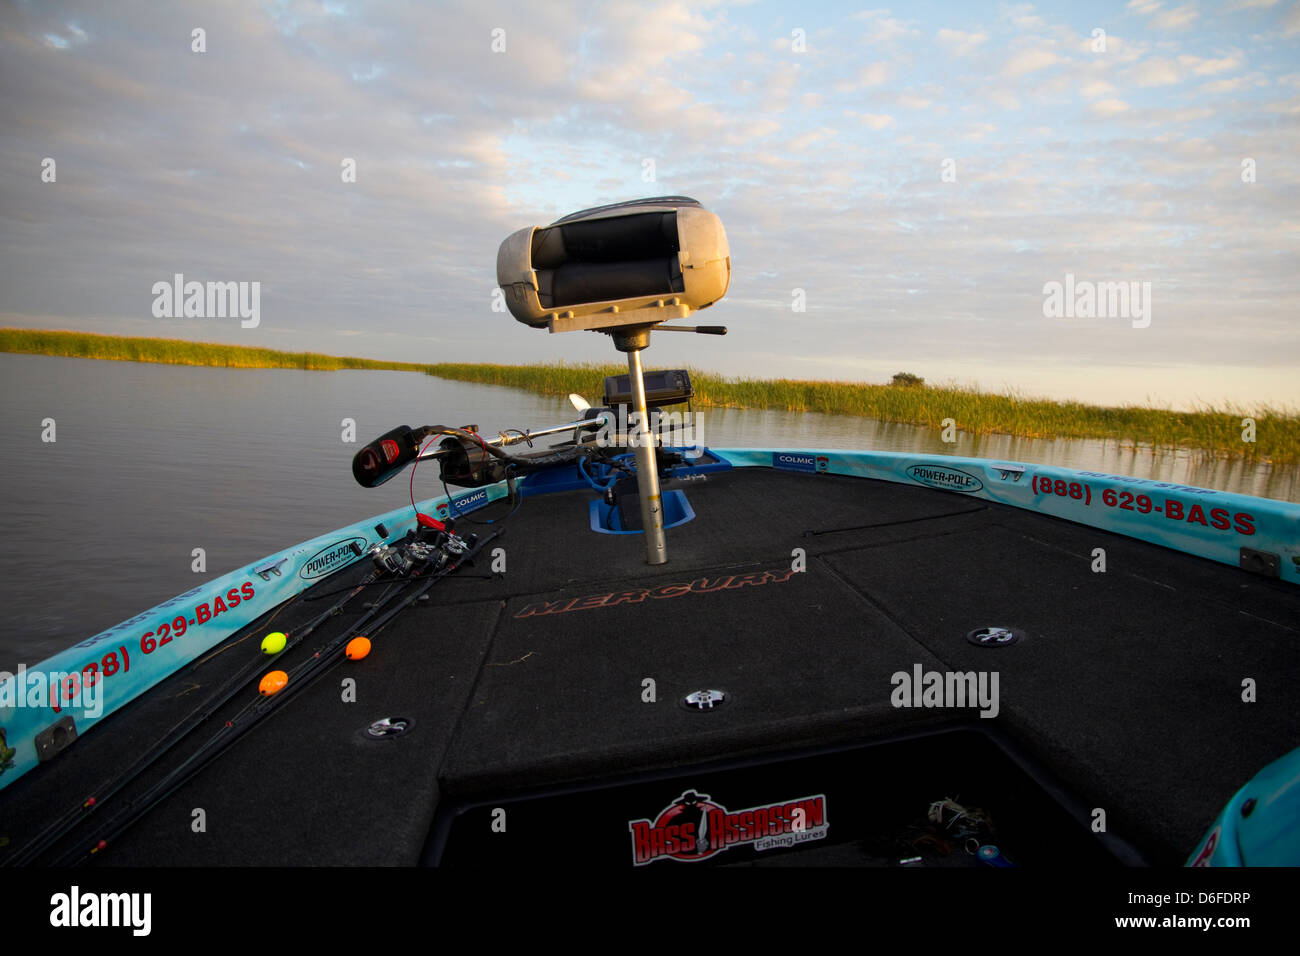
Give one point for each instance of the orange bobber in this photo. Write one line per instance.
(272, 683)
(357, 648)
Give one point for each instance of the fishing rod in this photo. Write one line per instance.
(444, 557)
(274, 646)
(462, 454)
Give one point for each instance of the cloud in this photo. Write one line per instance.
(1108, 108)
(1291, 20)
(876, 120)
(881, 28)
(1029, 61)
(1022, 16)
(804, 140)
(961, 42)
(1235, 83)
(1095, 88)
(977, 131)
(1001, 97)
(1179, 18)
(231, 169)
(1156, 72)
(873, 74)
(1207, 67)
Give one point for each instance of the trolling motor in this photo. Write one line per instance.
(623, 270)
(466, 458)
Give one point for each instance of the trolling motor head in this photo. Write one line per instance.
(386, 455)
(464, 459)
(620, 269)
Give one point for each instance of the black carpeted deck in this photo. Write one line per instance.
(1123, 695)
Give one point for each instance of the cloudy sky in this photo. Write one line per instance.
(920, 172)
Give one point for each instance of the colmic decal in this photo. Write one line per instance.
(695, 827)
(462, 504)
(795, 461)
(941, 476)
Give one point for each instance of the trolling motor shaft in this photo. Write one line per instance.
(647, 469)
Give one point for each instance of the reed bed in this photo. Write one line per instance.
(179, 352)
(1212, 430)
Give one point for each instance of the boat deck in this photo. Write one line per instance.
(528, 691)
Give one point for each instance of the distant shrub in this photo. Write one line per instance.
(908, 379)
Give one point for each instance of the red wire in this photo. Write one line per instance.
(423, 519)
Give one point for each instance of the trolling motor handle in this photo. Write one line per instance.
(700, 329)
(387, 455)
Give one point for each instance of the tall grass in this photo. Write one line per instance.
(1217, 431)
(179, 352)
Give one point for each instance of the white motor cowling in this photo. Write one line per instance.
(632, 263)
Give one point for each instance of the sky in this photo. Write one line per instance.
(901, 186)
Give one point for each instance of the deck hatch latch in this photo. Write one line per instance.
(387, 727)
(704, 701)
(1261, 562)
(56, 738)
(993, 636)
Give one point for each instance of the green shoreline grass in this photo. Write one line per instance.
(1216, 431)
(118, 348)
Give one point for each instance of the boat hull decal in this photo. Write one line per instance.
(1198, 521)
(949, 479)
(694, 828)
(701, 585)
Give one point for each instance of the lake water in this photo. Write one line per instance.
(150, 462)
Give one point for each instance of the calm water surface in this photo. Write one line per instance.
(153, 461)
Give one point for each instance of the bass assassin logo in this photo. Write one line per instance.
(694, 827)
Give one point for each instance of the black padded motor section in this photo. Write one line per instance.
(559, 700)
(651, 235)
(616, 258)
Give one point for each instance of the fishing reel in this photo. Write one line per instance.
(400, 560)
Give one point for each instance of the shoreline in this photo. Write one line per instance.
(1214, 431)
